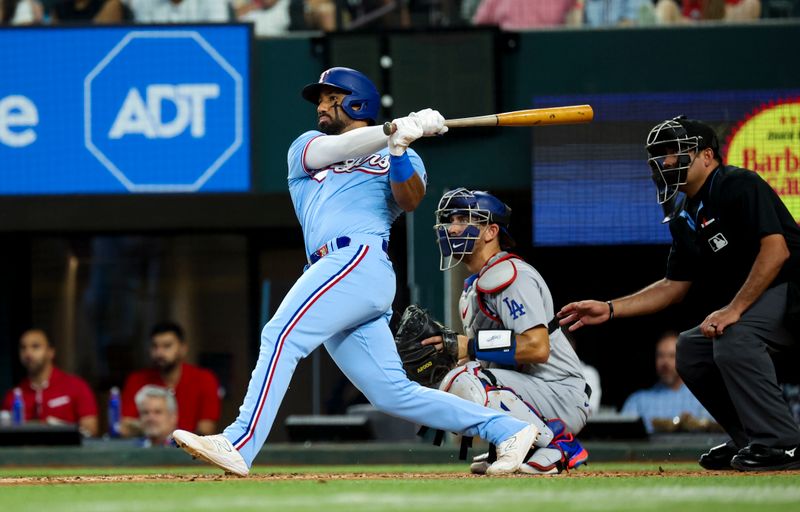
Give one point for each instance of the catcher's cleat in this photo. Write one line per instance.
(563, 453)
(544, 461)
(216, 450)
(574, 452)
(511, 453)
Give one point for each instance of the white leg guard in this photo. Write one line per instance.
(470, 383)
(544, 461)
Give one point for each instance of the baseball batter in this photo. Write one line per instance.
(348, 183)
(518, 363)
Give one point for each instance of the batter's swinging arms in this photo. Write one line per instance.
(348, 187)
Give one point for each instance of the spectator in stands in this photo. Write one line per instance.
(468, 8)
(269, 17)
(51, 395)
(21, 12)
(524, 14)
(179, 11)
(158, 415)
(690, 11)
(87, 11)
(320, 15)
(620, 13)
(196, 389)
(669, 398)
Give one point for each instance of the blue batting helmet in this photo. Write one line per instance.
(361, 92)
(479, 208)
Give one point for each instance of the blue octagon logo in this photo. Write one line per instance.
(163, 111)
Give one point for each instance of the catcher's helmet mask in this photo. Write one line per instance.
(460, 218)
(678, 140)
(362, 100)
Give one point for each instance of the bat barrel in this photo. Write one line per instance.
(574, 114)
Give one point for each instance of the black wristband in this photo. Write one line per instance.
(610, 309)
(471, 349)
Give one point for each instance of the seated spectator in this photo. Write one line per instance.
(51, 395)
(87, 11)
(691, 11)
(669, 398)
(320, 15)
(619, 13)
(21, 12)
(468, 8)
(269, 17)
(179, 11)
(523, 14)
(158, 415)
(196, 389)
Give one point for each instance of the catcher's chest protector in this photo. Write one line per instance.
(477, 303)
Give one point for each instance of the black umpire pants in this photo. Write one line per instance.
(733, 375)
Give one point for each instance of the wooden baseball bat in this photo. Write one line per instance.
(573, 114)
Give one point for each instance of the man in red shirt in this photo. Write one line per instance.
(51, 395)
(196, 390)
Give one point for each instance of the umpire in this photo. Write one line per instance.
(739, 243)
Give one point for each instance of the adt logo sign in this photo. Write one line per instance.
(163, 111)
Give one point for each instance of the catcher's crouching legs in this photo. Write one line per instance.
(471, 383)
(554, 450)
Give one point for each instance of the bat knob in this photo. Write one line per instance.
(389, 128)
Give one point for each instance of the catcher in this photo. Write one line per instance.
(512, 357)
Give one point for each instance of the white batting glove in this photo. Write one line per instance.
(431, 121)
(408, 130)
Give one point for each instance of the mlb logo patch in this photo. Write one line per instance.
(717, 242)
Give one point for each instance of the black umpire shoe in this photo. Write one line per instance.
(719, 457)
(758, 457)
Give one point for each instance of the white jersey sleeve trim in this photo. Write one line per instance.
(330, 149)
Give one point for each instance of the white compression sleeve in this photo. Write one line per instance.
(330, 149)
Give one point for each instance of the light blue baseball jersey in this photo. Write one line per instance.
(346, 198)
(344, 301)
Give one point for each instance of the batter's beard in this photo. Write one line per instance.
(332, 127)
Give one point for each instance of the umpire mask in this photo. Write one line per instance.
(459, 218)
(668, 149)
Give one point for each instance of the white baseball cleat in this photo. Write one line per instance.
(511, 452)
(216, 450)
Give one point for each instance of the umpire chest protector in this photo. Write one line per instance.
(477, 308)
(717, 238)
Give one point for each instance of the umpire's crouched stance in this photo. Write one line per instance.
(736, 240)
(521, 362)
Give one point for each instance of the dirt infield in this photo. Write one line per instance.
(325, 477)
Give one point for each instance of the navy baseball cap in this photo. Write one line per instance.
(707, 136)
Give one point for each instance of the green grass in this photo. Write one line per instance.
(669, 490)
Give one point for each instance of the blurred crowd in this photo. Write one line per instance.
(170, 393)
(276, 17)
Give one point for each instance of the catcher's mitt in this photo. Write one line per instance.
(424, 364)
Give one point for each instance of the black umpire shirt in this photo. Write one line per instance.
(717, 237)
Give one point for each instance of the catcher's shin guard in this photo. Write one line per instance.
(472, 383)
